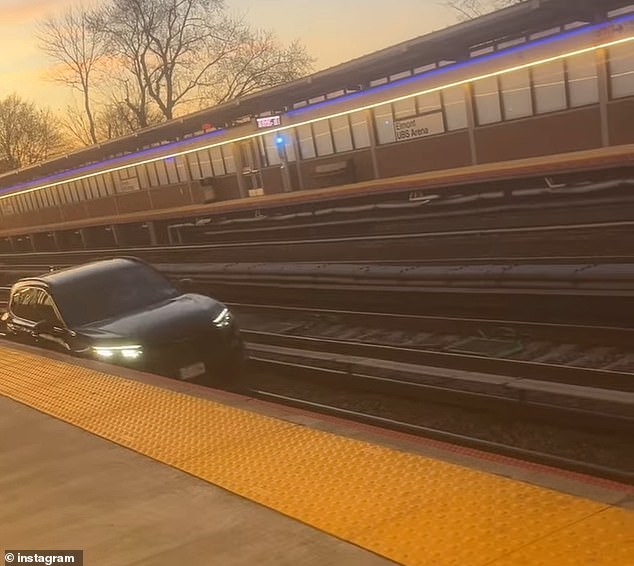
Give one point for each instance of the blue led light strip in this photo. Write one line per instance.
(53, 180)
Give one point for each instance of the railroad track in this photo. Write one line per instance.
(351, 385)
(539, 457)
(595, 240)
(569, 293)
(486, 328)
(594, 410)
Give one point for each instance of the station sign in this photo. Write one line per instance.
(419, 126)
(269, 121)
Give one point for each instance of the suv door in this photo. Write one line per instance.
(22, 311)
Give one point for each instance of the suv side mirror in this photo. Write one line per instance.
(43, 327)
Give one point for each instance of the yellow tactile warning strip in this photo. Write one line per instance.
(406, 507)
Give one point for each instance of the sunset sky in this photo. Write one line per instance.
(333, 31)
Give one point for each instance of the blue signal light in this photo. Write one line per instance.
(279, 140)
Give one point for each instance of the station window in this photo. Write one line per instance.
(150, 172)
(404, 108)
(341, 133)
(194, 166)
(227, 153)
(84, 189)
(36, 200)
(487, 101)
(360, 131)
(583, 82)
(21, 204)
(181, 168)
(425, 68)
(306, 143)
(28, 202)
(64, 197)
(141, 174)
(88, 189)
(48, 196)
(323, 138)
(455, 108)
(516, 94)
(42, 199)
(75, 192)
(6, 205)
(621, 70)
(217, 162)
(429, 102)
(290, 145)
(161, 173)
(270, 149)
(52, 195)
(94, 189)
(76, 196)
(384, 121)
(170, 167)
(550, 87)
(401, 75)
(545, 33)
(204, 159)
(73, 196)
(103, 191)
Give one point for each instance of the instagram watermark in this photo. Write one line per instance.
(47, 557)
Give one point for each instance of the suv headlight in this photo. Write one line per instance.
(223, 319)
(128, 352)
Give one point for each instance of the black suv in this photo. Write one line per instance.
(123, 311)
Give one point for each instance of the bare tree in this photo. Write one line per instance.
(469, 9)
(77, 125)
(79, 47)
(27, 134)
(259, 62)
(138, 62)
(178, 51)
(167, 46)
(118, 119)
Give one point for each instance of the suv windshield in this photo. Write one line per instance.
(109, 293)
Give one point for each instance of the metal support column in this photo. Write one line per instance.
(471, 123)
(604, 95)
(373, 144)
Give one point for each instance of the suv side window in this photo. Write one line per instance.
(45, 308)
(23, 303)
(34, 305)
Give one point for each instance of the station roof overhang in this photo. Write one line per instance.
(451, 44)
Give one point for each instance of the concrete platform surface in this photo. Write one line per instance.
(64, 488)
(411, 500)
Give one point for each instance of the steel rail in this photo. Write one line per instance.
(543, 458)
(596, 334)
(584, 377)
(336, 239)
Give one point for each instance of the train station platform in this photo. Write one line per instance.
(137, 469)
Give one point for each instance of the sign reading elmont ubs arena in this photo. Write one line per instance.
(419, 126)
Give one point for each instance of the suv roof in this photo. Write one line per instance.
(55, 279)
